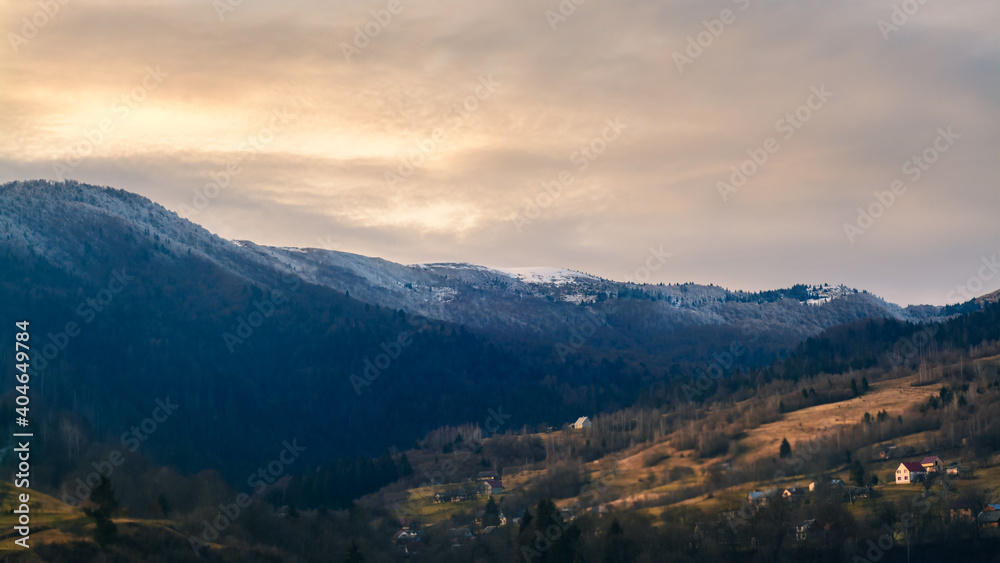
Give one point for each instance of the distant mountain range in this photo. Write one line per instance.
(525, 336)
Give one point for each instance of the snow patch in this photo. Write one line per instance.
(545, 275)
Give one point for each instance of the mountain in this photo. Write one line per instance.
(130, 303)
(540, 300)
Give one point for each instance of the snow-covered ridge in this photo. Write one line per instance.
(545, 275)
(533, 275)
(826, 293)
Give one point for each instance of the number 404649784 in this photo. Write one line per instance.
(22, 360)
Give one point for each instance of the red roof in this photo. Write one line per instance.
(495, 484)
(913, 466)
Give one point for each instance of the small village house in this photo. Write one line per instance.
(582, 422)
(794, 493)
(807, 531)
(833, 483)
(990, 516)
(888, 451)
(491, 487)
(761, 498)
(960, 510)
(932, 464)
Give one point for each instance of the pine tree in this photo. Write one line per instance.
(492, 515)
(526, 521)
(858, 473)
(785, 450)
(164, 504)
(616, 548)
(105, 504)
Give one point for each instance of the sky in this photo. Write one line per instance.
(751, 144)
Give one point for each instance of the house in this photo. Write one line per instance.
(960, 510)
(517, 516)
(862, 492)
(460, 496)
(888, 451)
(487, 476)
(491, 487)
(793, 492)
(404, 536)
(599, 510)
(932, 464)
(989, 518)
(806, 531)
(833, 483)
(582, 422)
(910, 472)
(761, 498)
(442, 497)
(460, 536)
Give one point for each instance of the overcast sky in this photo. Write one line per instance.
(426, 135)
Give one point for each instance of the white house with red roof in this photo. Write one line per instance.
(910, 472)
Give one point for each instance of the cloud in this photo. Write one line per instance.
(324, 174)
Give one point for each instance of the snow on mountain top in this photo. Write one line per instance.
(544, 275)
(826, 293)
(452, 266)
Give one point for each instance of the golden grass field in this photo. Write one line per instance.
(893, 396)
